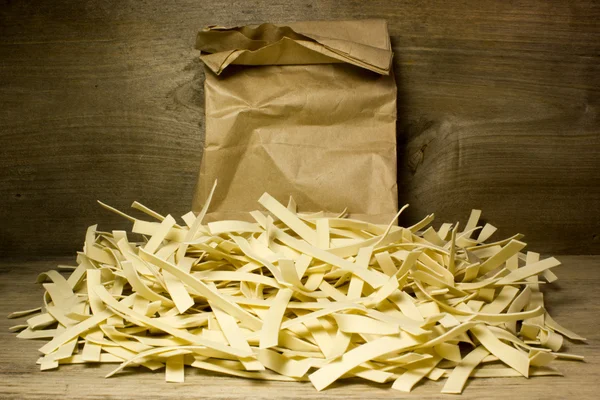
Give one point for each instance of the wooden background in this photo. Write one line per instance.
(498, 109)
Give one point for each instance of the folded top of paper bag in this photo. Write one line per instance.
(364, 43)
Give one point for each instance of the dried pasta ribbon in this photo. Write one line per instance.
(301, 297)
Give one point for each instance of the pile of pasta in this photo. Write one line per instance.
(302, 297)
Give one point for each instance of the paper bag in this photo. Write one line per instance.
(306, 109)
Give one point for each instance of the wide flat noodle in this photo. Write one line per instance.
(509, 355)
(529, 270)
(459, 375)
(513, 247)
(80, 328)
(175, 369)
(202, 288)
(368, 276)
(183, 300)
(288, 218)
(301, 297)
(269, 335)
(235, 337)
(160, 234)
(415, 373)
(351, 323)
(552, 324)
(377, 348)
(153, 322)
(281, 364)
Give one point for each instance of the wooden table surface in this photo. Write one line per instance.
(574, 301)
(498, 109)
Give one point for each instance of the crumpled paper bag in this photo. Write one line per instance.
(306, 109)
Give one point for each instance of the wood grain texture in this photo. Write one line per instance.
(498, 109)
(573, 300)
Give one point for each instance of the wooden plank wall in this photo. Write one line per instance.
(498, 109)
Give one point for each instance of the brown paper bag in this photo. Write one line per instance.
(309, 111)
